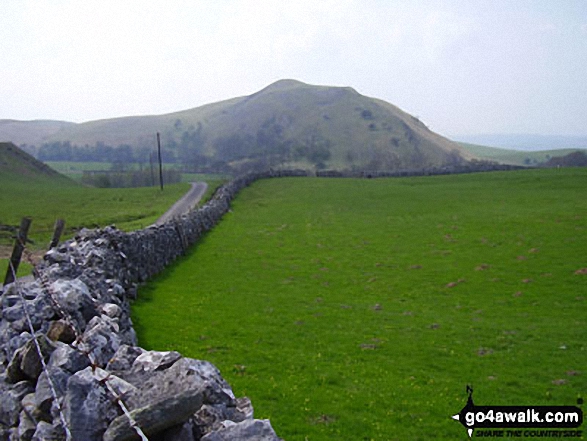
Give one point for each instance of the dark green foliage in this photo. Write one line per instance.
(367, 114)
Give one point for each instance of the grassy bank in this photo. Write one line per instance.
(360, 309)
(46, 199)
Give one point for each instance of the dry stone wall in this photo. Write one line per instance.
(70, 364)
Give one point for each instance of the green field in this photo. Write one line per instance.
(75, 170)
(46, 199)
(360, 309)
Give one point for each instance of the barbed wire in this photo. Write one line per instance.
(77, 345)
(40, 354)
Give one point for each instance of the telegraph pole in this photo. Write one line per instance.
(160, 164)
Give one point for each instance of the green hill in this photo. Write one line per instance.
(515, 157)
(18, 166)
(29, 132)
(31, 188)
(288, 122)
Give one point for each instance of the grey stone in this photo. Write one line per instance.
(26, 427)
(74, 297)
(155, 361)
(184, 374)
(212, 416)
(43, 393)
(156, 417)
(111, 310)
(40, 309)
(31, 364)
(29, 405)
(101, 339)
(26, 363)
(88, 406)
(248, 430)
(68, 358)
(15, 343)
(124, 358)
(48, 432)
(13, 313)
(10, 402)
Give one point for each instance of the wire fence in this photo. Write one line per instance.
(101, 375)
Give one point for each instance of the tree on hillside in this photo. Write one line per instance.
(191, 146)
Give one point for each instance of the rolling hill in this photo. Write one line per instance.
(30, 132)
(17, 165)
(515, 157)
(527, 142)
(288, 122)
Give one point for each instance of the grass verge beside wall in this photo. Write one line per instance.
(360, 309)
(46, 200)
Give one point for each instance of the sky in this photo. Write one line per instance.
(463, 67)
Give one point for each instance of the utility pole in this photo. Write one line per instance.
(160, 164)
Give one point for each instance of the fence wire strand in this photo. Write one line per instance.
(76, 345)
(40, 354)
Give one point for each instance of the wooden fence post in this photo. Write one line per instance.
(21, 238)
(57, 232)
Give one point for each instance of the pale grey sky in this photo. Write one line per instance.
(462, 66)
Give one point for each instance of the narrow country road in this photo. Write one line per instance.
(186, 203)
(182, 206)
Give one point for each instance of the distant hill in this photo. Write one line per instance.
(574, 159)
(526, 142)
(29, 132)
(288, 122)
(514, 157)
(17, 165)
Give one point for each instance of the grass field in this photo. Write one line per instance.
(360, 309)
(46, 199)
(75, 170)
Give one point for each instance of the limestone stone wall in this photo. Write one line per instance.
(70, 364)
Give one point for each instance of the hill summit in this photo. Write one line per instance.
(287, 123)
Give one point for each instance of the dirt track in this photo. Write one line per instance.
(186, 203)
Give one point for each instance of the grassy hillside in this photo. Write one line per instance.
(29, 132)
(18, 165)
(30, 188)
(515, 157)
(527, 142)
(287, 122)
(360, 309)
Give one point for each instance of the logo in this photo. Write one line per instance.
(518, 421)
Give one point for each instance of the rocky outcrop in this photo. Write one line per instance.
(70, 365)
